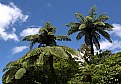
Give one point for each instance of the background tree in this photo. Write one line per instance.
(107, 71)
(91, 27)
(45, 37)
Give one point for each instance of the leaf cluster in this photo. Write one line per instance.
(108, 71)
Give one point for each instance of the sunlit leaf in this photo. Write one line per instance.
(20, 73)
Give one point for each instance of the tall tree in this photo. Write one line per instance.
(91, 27)
(45, 36)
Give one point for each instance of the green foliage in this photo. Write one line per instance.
(107, 71)
(34, 67)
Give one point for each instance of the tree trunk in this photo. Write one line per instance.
(91, 44)
(92, 50)
(52, 72)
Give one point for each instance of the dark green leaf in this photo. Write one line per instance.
(80, 35)
(73, 30)
(79, 17)
(96, 42)
(105, 34)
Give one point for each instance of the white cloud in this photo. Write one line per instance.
(105, 45)
(116, 35)
(114, 47)
(116, 30)
(29, 31)
(9, 15)
(18, 49)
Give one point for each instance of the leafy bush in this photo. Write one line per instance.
(106, 72)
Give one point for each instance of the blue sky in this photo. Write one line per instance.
(19, 18)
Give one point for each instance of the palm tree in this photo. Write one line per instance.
(46, 36)
(91, 27)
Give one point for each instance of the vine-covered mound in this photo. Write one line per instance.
(34, 67)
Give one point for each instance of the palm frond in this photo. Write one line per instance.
(73, 24)
(97, 35)
(99, 23)
(63, 38)
(51, 33)
(52, 29)
(93, 12)
(102, 18)
(88, 21)
(79, 17)
(73, 30)
(27, 38)
(80, 35)
(104, 34)
(30, 37)
(82, 26)
(43, 31)
(96, 42)
(108, 27)
(49, 27)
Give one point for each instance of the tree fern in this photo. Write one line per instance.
(91, 27)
